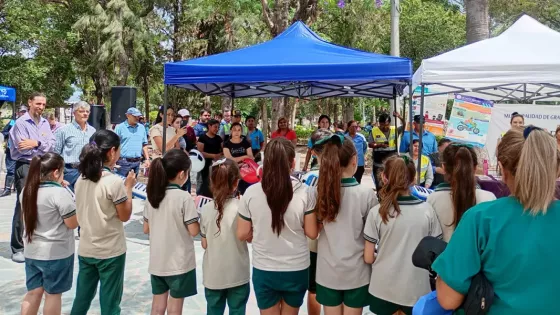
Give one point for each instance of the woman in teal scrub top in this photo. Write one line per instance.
(513, 240)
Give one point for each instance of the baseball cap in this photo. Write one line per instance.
(22, 108)
(134, 112)
(237, 112)
(417, 118)
(184, 112)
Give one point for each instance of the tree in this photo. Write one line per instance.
(277, 18)
(478, 27)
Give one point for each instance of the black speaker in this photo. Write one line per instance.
(97, 117)
(122, 98)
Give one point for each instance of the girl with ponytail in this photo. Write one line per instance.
(459, 192)
(342, 205)
(512, 241)
(279, 210)
(171, 219)
(225, 280)
(104, 202)
(395, 227)
(49, 216)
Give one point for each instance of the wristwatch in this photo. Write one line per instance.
(38, 144)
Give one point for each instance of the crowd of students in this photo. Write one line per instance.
(334, 240)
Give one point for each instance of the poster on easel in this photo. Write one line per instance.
(470, 120)
(434, 113)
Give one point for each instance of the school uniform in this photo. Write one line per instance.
(342, 275)
(442, 203)
(102, 248)
(517, 252)
(49, 258)
(224, 280)
(311, 180)
(172, 263)
(280, 263)
(395, 282)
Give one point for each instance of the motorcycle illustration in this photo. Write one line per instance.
(468, 126)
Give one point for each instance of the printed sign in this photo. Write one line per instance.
(469, 120)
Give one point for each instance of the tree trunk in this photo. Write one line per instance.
(264, 117)
(278, 107)
(226, 103)
(477, 20)
(176, 37)
(293, 112)
(348, 112)
(146, 90)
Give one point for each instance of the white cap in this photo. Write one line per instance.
(184, 112)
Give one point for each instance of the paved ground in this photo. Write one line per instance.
(137, 289)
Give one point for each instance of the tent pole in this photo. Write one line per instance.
(14, 110)
(164, 140)
(420, 133)
(395, 111)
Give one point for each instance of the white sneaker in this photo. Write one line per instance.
(18, 257)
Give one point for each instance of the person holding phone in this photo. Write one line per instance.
(190, 136)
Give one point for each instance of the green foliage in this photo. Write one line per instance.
(302, 132)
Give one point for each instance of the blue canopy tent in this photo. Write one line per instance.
(8, 94)
(297, 63)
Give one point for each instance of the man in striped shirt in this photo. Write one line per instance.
(71, 139)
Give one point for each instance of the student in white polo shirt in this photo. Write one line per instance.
(171, 219)
(277, 214)
(342, 206)
(459, 192)
(103, 203)
(396, 226)
(226, 266)
(49, 216)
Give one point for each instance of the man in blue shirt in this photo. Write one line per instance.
(71, 139)
(134, 141)
(429, 143)
(255, 137)
(202, 126)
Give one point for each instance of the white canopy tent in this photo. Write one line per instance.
(522, 65)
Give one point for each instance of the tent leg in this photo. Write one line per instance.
(420, 133)
(395, 111)
(164, 140)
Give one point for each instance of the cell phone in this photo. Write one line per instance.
(184, 123)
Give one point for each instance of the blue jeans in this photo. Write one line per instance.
(10, 164)
(126, 166)
(71, 176)
(188, 185)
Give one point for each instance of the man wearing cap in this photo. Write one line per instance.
(10, 163)
(429, 142)
(226, 129)
(31, 136)
(190, 137)
(383, 140)
(71, 139)
(134, 141)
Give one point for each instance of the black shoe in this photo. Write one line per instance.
(6, 192)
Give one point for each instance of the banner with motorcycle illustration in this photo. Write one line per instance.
(470, 120)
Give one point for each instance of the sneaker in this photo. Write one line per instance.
(18, 257)
(6, 192)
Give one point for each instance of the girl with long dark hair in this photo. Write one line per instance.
(279, 213)
(238, 149)
(49, 217)
(396, 226)
(459, 192)
(171, 219)
(104, 202)
(225, 280)
(342, 206)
